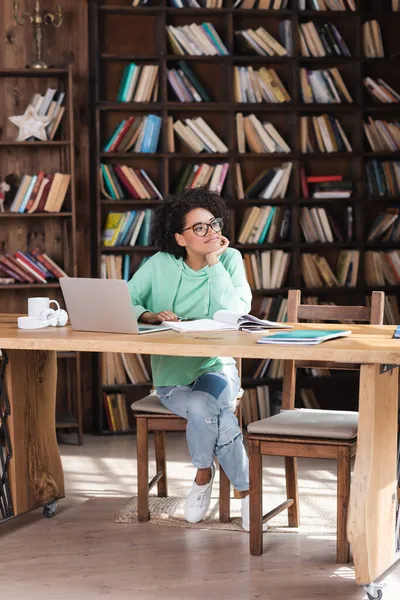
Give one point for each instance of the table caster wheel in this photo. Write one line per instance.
(50, 509)
(374, 591)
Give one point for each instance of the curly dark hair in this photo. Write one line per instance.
(170, 217)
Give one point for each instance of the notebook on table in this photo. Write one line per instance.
(226, 320)
(304, 337)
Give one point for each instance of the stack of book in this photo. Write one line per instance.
(383, 178)
(263, 43)
(342, 5)
(382, 268)
(321, 39)
(323, 86)
(325, 186)
(372, 40)
(121, 368)
(128, 228)
(261, 137)
(49, 105)
(386, 226)
(323, 133)
(319, 226)
(317, 272)
(259, 85)
(274, 309)
(135, 134)
(197, 3)
(186, 85)
(382, 136)
(41, 193)
(196, 40)
(198, 136)
(139, 84)
(119, 182)
(270, 184)
(116, 412)
(381, 91)
(267, 270)
(261, 4)
(255, 404)
(28, 267)
(203, 175)
(265, 225)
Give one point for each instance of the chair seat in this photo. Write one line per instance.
(310, 423)
(150, 404)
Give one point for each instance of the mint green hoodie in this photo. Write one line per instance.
(167, 283)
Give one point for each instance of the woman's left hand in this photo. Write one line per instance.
(212, 257)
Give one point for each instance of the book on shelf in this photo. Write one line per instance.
(372, 40)
(49, 105)
(323, 86)
(129, 228)
(382, 268)
(261, 4)
(265, 225)
(325, 186)
(318, 225)
(335, 5)
(321, 40)
(273, 308)
(202, 175)
(263, 43)
(266, 270)
(139, 83)
(199, 136)
(255, 404)
(116, 412)
(196, 3)
(396, 5)
(43, 192)
(269, 184)
(303, 337)
(135, 134)
(323, 133)
(186, 85)
(29, 267)
(258, 85)
(383, 177)
(120, 369)
(119, 182)
(196, 40)
(381, 91)
(259, 136)
(386, 226)
(317, 272)
(382, 136)
(226, 320)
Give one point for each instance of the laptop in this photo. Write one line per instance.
(102, 305)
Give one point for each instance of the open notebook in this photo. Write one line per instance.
(225, 320)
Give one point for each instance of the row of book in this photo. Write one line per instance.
(186, 85)
(255, 404)
(115, 266)
(119, 182)
(265, 224)
(261, 4)
(139, 83)
(386, 226)
(323, 133)
(266, 270)
(203, 175)
(273, 308)
(317, 272)
(199, 136)
(129, 228)
(116, 412)
(263, 43)
(28, 267)
(321, 187)
(135, 134)
(372, 40)
(253, 85)
(383, 177)
(381, 91)
(259, 136)
(382, 268)
(197, 3)
(382, 136)
(323, 86)
(49, 105)
(40, 193)
(196, 40)
(318, 225)
(270, 183)
(121, 368)
(340, 5)
(321, 39)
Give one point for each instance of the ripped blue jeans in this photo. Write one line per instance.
(208, 405)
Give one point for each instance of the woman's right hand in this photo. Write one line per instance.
(156, 318)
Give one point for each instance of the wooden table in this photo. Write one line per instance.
(35, 470)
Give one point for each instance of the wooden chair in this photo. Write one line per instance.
(307, 433)
(153, 417)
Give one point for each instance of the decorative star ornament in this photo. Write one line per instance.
(30, 125)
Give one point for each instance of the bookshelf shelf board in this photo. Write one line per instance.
(35, 215)
(129, 58)
(256, 58)
(318, 246)
(129, 106)
(63, 421)
(382, 245)
(264, 107)
(198, 106)
(141, 155)
(260, 12)
(131, 202)
(327, 15)
(271, 292)
(252, 382)
(30, 286)
(40, 73)
(131, 10)
(379, 59)
(203, 58)
(125, 387)
(377, 199)
(187, 11)
(330, 108)
(259, 155)
(328, 60)
(261, 201)
(383, 154)
(114, 249)
(59, 144)
(388, 289)
(329, 155)
(338, 289)
(383, 107)
(253, 247)
(312, 200)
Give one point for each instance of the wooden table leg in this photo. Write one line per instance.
(36, 475)
(371, 523)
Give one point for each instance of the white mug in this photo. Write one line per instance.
(36, 306)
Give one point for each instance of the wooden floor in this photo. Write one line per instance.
(82, 554)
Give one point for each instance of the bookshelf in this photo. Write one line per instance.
(50, 232)
(121, 34)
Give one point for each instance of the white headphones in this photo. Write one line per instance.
(55, 318)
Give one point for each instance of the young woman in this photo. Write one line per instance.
(193, 275)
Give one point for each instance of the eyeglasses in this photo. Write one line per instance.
(201, 229)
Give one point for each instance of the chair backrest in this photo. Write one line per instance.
(372, 314)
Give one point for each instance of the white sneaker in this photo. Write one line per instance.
(246, 515)
(198, 501)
